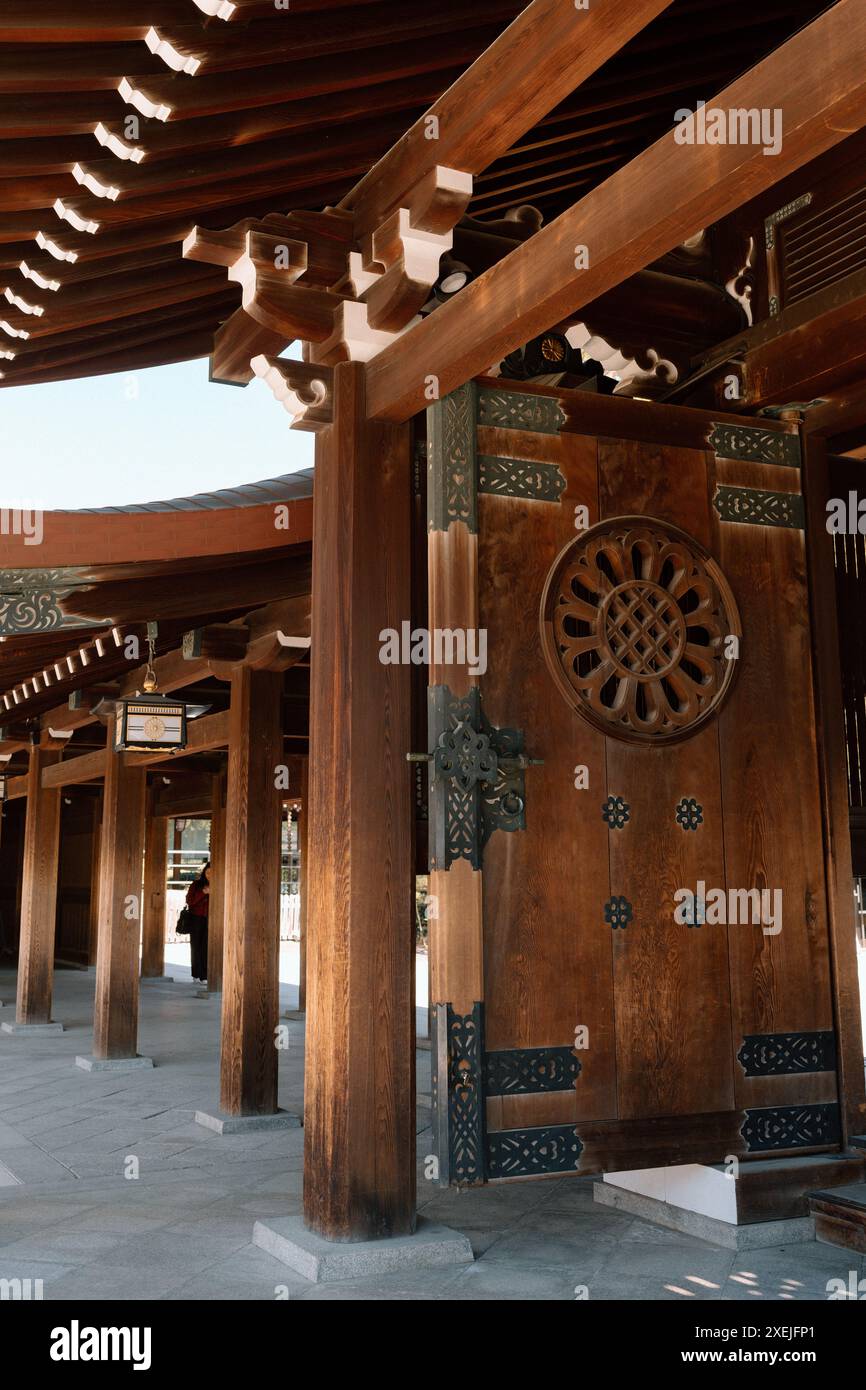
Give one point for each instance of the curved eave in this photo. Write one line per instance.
(228, 522)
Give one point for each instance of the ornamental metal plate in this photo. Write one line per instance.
(755, 507)
(786, 1054)
(30, 600)
(635, 622)
(530, 1070)
(523, 1153)
(791, 1127)
(451, 461)
(755, 445)
(476, 784)
(534, 482)
(457, 1045)
(519, 410)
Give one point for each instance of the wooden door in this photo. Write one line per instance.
(593, 1030)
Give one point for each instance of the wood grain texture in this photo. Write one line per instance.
(538, 61)
(673, 1030)
(668, 192)
(216, 877)
(95, 848)
(115, 1015)
(614, 1146)
(250, 1000)
(360, 1063)
(38, 894)
(303, 879)
(547, 951)
(771, 797)
(154, 895)
(456, 933)
(834, 787)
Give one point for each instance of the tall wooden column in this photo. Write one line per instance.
(359, 1171)
(154, 896)
(95, 850)
(38, 894)
(115, 1019)
(216, 876)
(303, 881)
(250, 1005)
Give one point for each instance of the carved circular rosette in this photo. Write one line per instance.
(634, 620)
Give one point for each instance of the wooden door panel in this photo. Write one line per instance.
(770, 793)
(547, 964)
(704, 1038)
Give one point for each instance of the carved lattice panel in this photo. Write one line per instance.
(635, 621)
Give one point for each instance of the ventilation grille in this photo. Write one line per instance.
(823, 246)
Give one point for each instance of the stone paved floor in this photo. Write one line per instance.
(182, 1229)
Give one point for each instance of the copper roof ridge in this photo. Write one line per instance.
(284, 488)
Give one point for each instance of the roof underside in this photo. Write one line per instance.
(270, 111)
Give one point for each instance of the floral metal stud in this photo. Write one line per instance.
(690, 814)
(618, 912)
(616, 812)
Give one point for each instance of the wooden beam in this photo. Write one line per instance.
(211, 731)
(360, 1068)
(87, 767)
(551, 48)
(665, 195)
(250, 1009)
(221, 641)
(811, 350)
(115, 1015)
(38, 894)
(16, 787)
(94, 21)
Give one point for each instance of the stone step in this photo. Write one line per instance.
(776, 1189)
(840, 1216)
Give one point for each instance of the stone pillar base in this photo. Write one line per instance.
(326, 1261)
(246, 1124)
(34, 1029)
(113, 1063)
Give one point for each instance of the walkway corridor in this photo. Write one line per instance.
(182, 1229)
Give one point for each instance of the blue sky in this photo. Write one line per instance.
(140, 437)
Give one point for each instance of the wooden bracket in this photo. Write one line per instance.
(219, 641)
(304, 390)
(404, 252)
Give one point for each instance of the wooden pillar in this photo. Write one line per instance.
(95, 848)
(115, 1020)
(154, 895)
(38, 894)
(834, 791)
(250, 1006)
(216, 876)
(359, 1170)
(303, 880)
(456, 928)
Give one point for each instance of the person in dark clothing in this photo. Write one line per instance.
(198, 903)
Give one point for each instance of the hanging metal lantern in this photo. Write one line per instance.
(149, 722)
